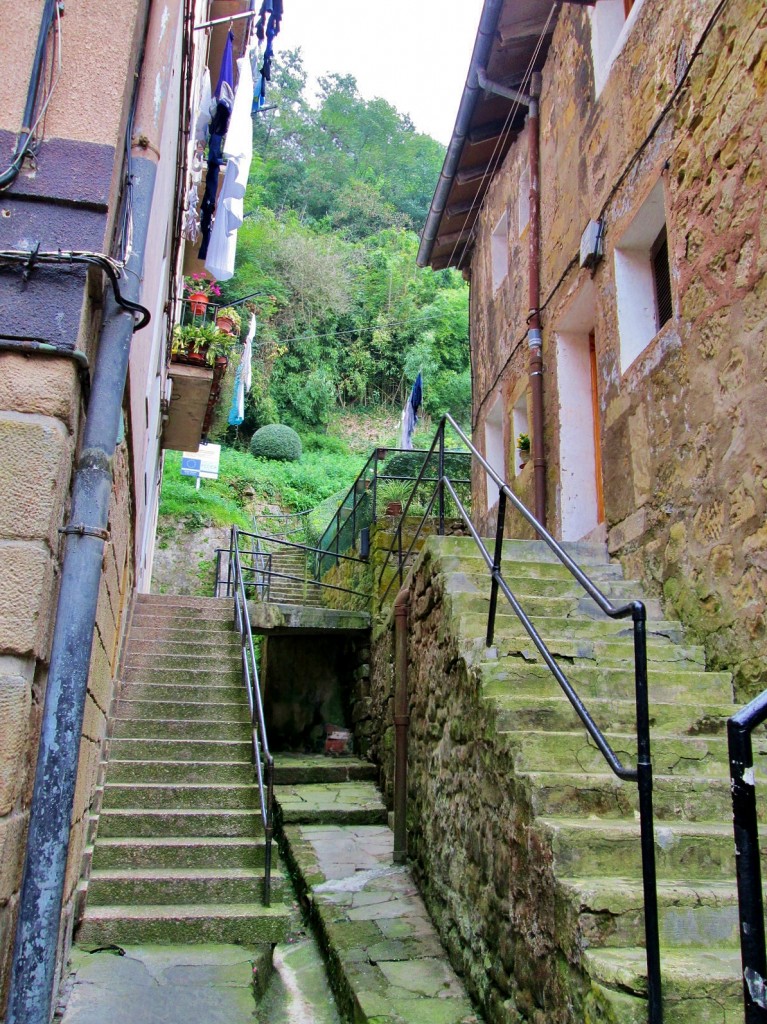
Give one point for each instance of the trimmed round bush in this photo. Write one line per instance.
(276, 441)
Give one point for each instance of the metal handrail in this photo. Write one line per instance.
(747, 863)
(642, 774)
(264, 762)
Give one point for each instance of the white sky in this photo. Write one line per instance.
(413, 53)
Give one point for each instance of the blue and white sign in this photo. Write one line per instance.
(203, 463)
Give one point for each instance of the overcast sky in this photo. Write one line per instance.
(414, 53)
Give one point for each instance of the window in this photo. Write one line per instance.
(611, 22)
(643, 278)
(499, 252)
(520, 425)
(494, 449)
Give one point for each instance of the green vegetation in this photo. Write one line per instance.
(276, 441)
(339, 189)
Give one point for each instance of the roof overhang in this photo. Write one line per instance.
(512, 40)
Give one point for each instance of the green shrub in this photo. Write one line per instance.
(276, 441)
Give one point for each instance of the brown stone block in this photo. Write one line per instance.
(12, 831)
(26, 577)
(35, 467)
(15, 706)
(48, 387)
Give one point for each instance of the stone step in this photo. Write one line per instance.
(477, 598)
(610, 912)
(194, 675)
(688, 756)
(582, 553)
(142, 795)
(182, 662)
(603, 795)
(182, 691)
(238, 923)
(153, 627)
(507, 624)
(134, 886)
(556, 714)
(181, 772)
(172, 728)
(178, 822)
(618, 590)
(293, 769)
(666, 681)
(214, 646)
(185, 711)
(180, 750)
(689, 850)
(160, 603)
(177, 852)
(354, 803)
(700, 987)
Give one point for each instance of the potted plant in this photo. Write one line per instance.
(202, 344)
(523, 448)
(394, 494)
(198, 289)
(229, 321)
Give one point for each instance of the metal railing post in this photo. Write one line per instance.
(441, 475)
(497, 561)
(375, 486)
(231, 560)
(646, 823)
(399, 551)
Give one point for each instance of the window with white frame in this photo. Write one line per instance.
(611, 22)
(643, 278)
(499, 252)
(494, 449)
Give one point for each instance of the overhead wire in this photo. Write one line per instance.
(31, 143)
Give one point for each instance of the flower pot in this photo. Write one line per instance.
(198, 303)
(394, 508)
(225, 324)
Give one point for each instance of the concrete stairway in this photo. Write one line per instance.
(292, 562)
(178, 852)
(582, 816)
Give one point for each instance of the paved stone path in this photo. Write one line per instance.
(385, 957)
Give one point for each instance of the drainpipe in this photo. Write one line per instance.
(401, 722)
(37, 932)
(534, 337)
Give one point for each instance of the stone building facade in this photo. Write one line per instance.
(111, 98)
(652, 252)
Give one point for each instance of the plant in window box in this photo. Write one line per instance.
(200, 344)
(523, 448)
(198, 289)
(229, 321)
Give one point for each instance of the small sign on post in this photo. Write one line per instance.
(202, 464)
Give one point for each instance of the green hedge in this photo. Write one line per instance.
(276, 441)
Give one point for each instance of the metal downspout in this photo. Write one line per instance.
(534, 336)
(37, 932)
(401, 722)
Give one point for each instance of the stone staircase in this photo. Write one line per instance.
(178, 851)
(292, 562)
(564, 802)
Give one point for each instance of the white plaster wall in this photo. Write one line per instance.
(494, 449)
(577, 454)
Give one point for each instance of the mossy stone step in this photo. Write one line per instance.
(514, 676)
(699, 986)
(140, 749)
(194, 675)
(154, 628)
(689, 756)
(183, 691)
(603, 795)
(142, 795)
(216, 645)
(181, 772)
(187, 711)
(239, 923)
(475, 579)
(174, 728)
(353, 803)
(182, 662)
(141, 822)
(292, 769)
(610, 912)
(179, 852)
(556, 714)
(471, 564)
(584, 848)
(536, 605)
(581, 552)
(178, 886)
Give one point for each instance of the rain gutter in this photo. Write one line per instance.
(472, 91)
(39, 921)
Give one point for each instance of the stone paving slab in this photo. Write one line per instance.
(165, 984)
(386, 961)
(351, 803)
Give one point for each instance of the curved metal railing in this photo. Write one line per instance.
(642, 773)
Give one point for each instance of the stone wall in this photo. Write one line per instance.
(39, 423)
(683, 455)
(484, 871)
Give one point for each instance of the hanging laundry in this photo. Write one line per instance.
(191, 223)
(274, 8)
(226, 71)
(238, 148)
(202, 119)
(219, 126)
(242, 380)
(410, 414)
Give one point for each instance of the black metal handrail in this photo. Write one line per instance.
(642, 774)
(747, 863)
(264, 762)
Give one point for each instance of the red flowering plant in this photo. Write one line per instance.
(200, 284)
